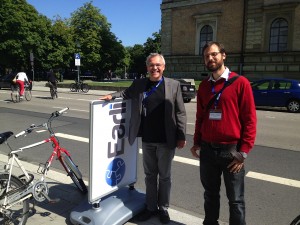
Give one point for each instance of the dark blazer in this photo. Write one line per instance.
(175, 115)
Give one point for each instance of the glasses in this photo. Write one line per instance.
(213, 54)
(155, 65)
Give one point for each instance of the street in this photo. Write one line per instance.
(272, 167)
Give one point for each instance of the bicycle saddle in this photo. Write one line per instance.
(5, 135)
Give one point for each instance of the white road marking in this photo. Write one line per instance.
(274, 179)
(80, 110)
(193, 162)
(72, 137)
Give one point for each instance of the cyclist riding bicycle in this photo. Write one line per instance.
(21, 79)
(52, 79)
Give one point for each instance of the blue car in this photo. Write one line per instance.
(277, 92)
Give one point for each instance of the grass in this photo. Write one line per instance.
(115, 83)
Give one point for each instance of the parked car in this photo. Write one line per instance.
(6, 80)
(277, 92)
(188, 89)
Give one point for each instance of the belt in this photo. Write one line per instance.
(218, 145)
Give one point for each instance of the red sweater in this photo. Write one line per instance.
(238, 114)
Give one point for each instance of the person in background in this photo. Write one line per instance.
(52, 79)
(21, 78)
(224, 135)
(159, 117)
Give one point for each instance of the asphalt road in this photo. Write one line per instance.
(273, 169)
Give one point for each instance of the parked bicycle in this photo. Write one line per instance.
(15, 92)
(53, 90)
(77, 86)
(16, 190)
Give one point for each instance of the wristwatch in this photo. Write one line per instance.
(244, 154)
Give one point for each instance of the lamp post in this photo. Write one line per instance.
(32, 65)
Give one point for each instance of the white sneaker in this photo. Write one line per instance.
(21, 96)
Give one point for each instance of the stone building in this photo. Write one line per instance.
(261, 37)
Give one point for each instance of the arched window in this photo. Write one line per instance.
(206, 35)
(279, 35)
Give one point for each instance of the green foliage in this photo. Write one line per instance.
(53, 43)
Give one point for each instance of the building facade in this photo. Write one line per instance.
(261, 37)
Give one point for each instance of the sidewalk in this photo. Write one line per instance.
(62, 187)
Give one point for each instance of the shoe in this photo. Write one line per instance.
(164, 216)
(21, 97)
(146, 215)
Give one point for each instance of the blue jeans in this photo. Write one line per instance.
(214, 162)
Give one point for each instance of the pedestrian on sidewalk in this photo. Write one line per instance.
(158, 116)
(225, 132)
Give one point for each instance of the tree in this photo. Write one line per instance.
(62, 46)
(153, 44)
(22, 30)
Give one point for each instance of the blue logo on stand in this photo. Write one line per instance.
(115, 172)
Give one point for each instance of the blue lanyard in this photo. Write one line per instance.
(219, 94)
(147, 94)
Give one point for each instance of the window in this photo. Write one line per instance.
(278, 35)
(206, 35)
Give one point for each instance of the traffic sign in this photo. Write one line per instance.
(77, 59)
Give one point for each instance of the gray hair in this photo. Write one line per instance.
(154, 55)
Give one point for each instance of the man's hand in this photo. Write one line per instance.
(106, 97)
(181, 144)
(235, 166)
(194, 150)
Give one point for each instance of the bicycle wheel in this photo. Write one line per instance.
(73, 172)
(85, 88)
(52, 93)
(28, 95)
(296, 221)
(15, 97)
(18, 213)
(73, 87)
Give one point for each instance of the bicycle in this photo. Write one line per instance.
(15, 94)
(15, 191)
(53, 90)
(75, 87)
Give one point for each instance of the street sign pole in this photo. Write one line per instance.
(77, 63)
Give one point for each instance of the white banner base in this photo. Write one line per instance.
(115, 209)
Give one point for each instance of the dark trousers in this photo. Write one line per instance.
(157, 161)
(213, 162)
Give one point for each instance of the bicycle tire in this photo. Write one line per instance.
(52, 93)
(73, 87)
(18, 213)
(28, 95)
(73, 172)
(296, 221)
(85, 88)
(15, 97)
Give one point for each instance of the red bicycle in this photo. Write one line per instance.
(16, 190)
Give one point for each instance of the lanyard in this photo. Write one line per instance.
(219, 93)
(147, 94)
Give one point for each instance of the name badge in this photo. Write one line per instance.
(215, 114)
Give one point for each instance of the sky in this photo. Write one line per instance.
(132, 21)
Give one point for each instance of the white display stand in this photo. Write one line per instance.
(112, 198)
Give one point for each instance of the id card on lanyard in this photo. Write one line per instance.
(216, 114)
(147, 94)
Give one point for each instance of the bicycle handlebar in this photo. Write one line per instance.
(63, 110)
(33, 126)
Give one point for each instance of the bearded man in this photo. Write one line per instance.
(224, 135)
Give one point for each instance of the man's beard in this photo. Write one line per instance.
(214, 67)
